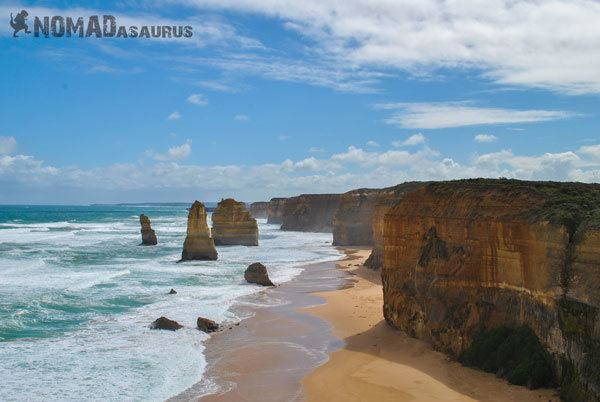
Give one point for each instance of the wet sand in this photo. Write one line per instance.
(326, 340)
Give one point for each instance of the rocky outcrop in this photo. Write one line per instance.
(257, 273)
(467, 256)
(165, 323)
(258, 210)
(310, 212)
(206, 325)
(233, 225)
(198, 244)
(148, 235)
(354, 223)
(275, 210)
(172, 292)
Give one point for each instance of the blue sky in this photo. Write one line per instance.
(275, 98)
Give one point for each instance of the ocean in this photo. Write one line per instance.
(77, 294)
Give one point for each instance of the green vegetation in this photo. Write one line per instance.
(513, 353)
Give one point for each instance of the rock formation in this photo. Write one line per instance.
(148, 235)
(165, 323)
(172, 292)
(206, 325)
(310, 212)
(467, 256)
(233, 225)
(275, 210)
(198, 244)
(258, 210)
(257, 273)
(353, 222)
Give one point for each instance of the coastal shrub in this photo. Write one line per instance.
(513, 353)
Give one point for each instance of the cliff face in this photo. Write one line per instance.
(258, 210)
(354, 223)
(233, 225)
(148, 235)
(275, 210)
(310, 212)
(198, 244)
(466, 256)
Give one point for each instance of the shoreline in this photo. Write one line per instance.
(322, 336)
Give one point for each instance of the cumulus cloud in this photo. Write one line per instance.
(174, 116)
(7, 145)
(372, 144)
(482, 138)
(197, 99)
(415, 139)
(173, 154)
(459, 114)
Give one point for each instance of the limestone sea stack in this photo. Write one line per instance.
(233, 225)
(310, 212)
(275, 210)
(468, 256)
(198, 244)
(148, 235)
(258, 209)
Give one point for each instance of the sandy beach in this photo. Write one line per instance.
(379, 363)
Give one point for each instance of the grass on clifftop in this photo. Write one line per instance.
(512, 353)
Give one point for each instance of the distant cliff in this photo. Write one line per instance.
(275, 210)
(466, 256)
(310, 212)
(354, 223)
(258, 210)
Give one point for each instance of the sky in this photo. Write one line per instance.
(276, 98)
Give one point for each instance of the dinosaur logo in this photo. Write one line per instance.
(18, 23)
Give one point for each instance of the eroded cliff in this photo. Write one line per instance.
(258, 209)
(467, 256)
(310, 212)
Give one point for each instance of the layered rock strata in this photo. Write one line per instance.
(198, 244)
(310, 212)
(148, 235)
(233, 225)
(258, 209)
(467, 256)
(275, 210)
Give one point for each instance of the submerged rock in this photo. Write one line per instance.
(172, 292)
(206, 325)
(233, 224)
(198, 244)
(257, 273)
(148, 235)
(165, 323)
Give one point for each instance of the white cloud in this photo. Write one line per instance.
(241, 117)
(372, 144)
(546, 43)
(284, 137)
(415, 139)
(26, 175)
(174, 116)
(316, 150)
(198, 99)
(174, 153)
(459, 114)
(7, 145)
(481, 138)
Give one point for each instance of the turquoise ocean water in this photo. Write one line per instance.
(77, 293)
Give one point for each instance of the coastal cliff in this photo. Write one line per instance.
(310, 212)
(275, 210)
(358, 219)
(468, 256)
(233, 225)
(258, 209)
